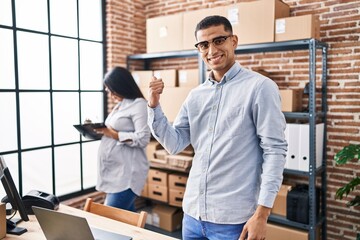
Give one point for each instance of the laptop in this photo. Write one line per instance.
(57, 226)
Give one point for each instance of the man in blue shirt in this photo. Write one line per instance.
(235, 124)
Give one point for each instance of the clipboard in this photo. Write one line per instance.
(87, 130)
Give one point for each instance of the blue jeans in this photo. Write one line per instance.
(200, 230)
(124, 200)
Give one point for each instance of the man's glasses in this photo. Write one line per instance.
(218, 41)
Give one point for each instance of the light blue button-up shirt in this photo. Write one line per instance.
(237, 130)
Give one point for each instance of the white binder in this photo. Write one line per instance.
(292, 157)
(304, 146)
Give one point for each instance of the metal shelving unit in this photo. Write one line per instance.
(312, 115)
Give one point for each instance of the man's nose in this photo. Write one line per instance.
(212, 48)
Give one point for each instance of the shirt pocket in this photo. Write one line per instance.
(233, 121)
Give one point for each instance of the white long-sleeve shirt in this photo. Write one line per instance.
(237, 130)
(122, 163)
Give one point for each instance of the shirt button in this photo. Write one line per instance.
(218, 87)
(214, 108)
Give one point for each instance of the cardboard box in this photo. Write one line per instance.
(299, 27)
(188, 78)
(158, 177)
(142, 78)
(177, 181)
(167, 218)
(249, 26)
(188, 151)
(170, 104)
(276, 232)
(191, 19)
(164, 33)
(180, 161)
(169, 77)
(151, 148)
(2, 220)
(279, 207)
(145, 92)
(157, 192)
(291, 100)
(161, 154)
(176, 197)
(145, 191)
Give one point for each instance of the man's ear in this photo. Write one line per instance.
(235, 40)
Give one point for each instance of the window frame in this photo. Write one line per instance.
(19, 151)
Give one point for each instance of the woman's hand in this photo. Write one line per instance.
(108, 131)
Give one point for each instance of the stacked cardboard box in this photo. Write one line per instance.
(169, 77)
(180, 161)
(249, 27)
(145, 191)
(279, 207)
(177, 32)
(191, 19)
(158, 185)
(298, 27)
(170, 105)
(164, 33)
(142, 77)
(177, 185)
(188, 77)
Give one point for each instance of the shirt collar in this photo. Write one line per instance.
(228, 76)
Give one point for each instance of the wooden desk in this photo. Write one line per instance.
(34, 231)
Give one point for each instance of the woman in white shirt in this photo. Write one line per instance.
(122, 161)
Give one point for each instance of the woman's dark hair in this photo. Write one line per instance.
(214, 20)
(120, 82)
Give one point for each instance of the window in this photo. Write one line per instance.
(51, 69)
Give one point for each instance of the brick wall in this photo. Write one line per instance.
(340, 28)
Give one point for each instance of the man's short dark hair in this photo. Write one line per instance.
(214, 20)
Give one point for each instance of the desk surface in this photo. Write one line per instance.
(34, 231)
